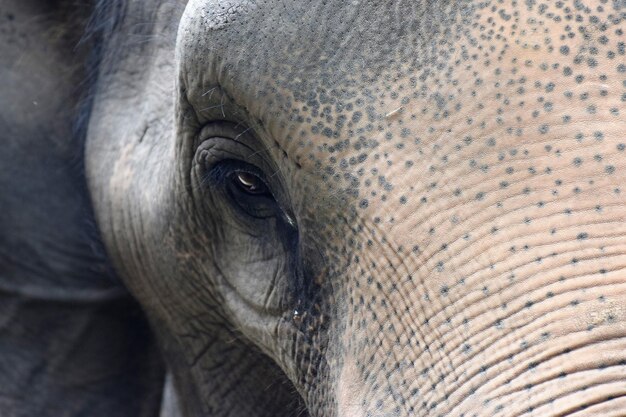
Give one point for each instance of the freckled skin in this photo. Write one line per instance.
(450, 239)
(454, 170)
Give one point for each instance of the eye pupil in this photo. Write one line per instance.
(250, 183)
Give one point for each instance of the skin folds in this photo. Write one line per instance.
(369, 209)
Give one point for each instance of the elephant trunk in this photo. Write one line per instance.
(433, 335)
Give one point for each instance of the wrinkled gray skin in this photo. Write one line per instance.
(444, 229)
(72, 340)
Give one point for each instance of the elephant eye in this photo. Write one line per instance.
(251, 183)
(246, 188)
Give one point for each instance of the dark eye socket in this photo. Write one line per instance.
(246, 188)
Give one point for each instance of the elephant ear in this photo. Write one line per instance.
(72, 342)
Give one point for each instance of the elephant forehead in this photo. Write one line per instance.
(310, 35)
(324, 73)
(276, 56)
(410, 103)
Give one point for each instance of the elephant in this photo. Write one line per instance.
(313, 208)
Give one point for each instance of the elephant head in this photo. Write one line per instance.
(364, 208)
